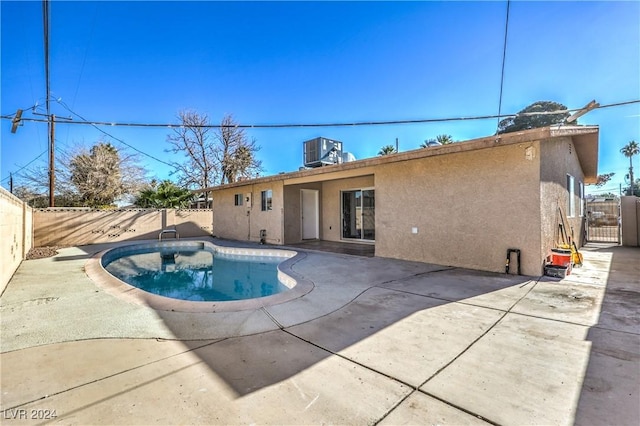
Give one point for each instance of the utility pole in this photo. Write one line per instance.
(11, 182)
(397, 145)
(51, 118)
(52, 167)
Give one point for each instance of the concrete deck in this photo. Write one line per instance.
(377, 341)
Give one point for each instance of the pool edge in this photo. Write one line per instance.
(128, 293)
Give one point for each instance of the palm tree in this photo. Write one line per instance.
(629, 150)
(439, 140)
(444, 139)
(429, 142)
(387, 149)
(165, 195)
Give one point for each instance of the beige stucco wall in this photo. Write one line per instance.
(468, 208)
(16, 237)
(630, 212)
(558, 157)
(70, 227)
(283, 223)
(243, 223)
(468, 202)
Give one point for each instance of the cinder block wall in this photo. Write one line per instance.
(77, 226)
(16, 238)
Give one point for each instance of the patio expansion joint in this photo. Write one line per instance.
(442, 269)
(323, 315)
(114, 374)
(455, 358)
(470, 345)
(272, 318)
(395, 379)
(444, 401)
(577, 324)
(443, 299)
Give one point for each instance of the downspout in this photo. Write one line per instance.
(249, 214)
(282, 216)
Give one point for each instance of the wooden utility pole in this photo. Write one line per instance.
(52, 168)
(51, 119)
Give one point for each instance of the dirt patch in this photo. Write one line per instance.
(42, 252)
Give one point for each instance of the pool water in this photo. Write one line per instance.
(194, 274)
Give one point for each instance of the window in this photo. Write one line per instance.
(581, 187)
(571, 202)
(267, 200)
(238, 199)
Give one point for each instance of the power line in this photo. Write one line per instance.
(504, 57)
(94, 125)
(26, 165)
(343, 124)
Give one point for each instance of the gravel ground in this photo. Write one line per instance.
(42, 252)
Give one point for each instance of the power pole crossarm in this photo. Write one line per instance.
(16, 121)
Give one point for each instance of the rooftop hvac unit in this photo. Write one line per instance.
(320, 152)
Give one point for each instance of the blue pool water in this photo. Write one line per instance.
(195, 273)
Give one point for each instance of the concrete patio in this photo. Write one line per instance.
(377, 341)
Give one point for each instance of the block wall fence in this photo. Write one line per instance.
(16, 234)
(79, 226)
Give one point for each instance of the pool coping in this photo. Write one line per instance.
(298, 285)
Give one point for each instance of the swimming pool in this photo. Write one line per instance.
(197, 273)
(198, 276)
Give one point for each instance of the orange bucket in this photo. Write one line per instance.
(561, 257)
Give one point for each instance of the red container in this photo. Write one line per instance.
(561, 257)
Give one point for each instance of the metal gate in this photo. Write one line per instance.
(603, 221)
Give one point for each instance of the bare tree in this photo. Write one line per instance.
(220, 157)
(192, 138)
(236, 155)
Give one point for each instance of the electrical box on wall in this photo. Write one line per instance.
(247, 200)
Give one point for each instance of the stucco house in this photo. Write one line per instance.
(463, 204)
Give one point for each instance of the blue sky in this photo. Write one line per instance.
(314, 62)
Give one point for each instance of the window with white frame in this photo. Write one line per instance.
(238, 199)
(571, 193)
(267, 200)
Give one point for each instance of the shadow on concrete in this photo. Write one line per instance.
(356, 249)
(611, 386)
(253, 362)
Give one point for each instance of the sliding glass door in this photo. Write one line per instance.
(358, 215)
